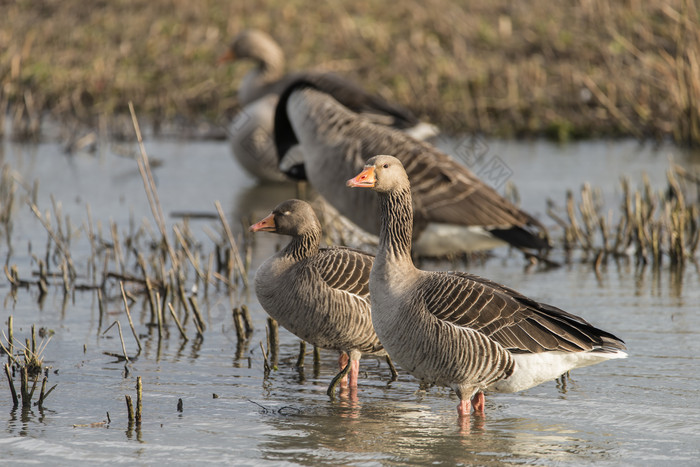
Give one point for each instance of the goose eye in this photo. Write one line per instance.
(386, 166)
(286, 213)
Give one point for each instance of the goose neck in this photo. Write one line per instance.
(396, 226)
(267, 71)
(303, 246)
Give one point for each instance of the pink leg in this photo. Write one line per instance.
(354, 373)
(479, 401)
(464, 408)
(342, 363)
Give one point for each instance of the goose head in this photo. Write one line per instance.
(254, 45)
(381, 173)
(292, 217)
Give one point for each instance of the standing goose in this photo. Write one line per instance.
(459, 330)
(321, 295)
(454, 210)
(252, 128)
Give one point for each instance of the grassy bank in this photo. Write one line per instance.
(591, 68)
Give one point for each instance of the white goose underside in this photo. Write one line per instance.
(251, 140)
(533, 369)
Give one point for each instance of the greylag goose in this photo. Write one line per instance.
(454, 210)
(459, 330)
(321, 295)
(252, 128)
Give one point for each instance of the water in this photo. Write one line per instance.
(642, 410)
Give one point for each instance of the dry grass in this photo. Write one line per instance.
(588, 68)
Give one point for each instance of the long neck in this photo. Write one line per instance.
(303, 246)
(268, 70)
(396, 226)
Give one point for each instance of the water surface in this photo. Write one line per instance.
(642, 410)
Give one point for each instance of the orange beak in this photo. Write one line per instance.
(265, 225)
(228, 56)
(364, 179)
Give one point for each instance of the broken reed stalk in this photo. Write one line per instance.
(129, 409)
(139, 399)
(10, 336)
(177, 322)
(274, 341)
(10, 357)
(150, 187)
(92, 266)
(121, 337)
(15, 400)
(118, 257)
(183, 298)
(41, 393)
(128, 316)
(576, 231)
(247, 320)
(159, 316)
(44, 394)
(43, 282)
(151, 300)
(27, 394)
(232, 243)
(266, 363)
(164, 299)
(100, 303)
(24, 392)
(180, 238)
(651, 224)
(317, 356)
(65, 276)
(57, 240)
(238, 322)
(198, 321)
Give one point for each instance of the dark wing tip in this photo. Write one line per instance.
(520, 237)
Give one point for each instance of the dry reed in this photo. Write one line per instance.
(650, 226)
(587, 68)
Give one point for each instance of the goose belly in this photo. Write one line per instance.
(533, 369)
(334, 321)
(440, 353)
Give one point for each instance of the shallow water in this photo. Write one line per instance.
(642, 410)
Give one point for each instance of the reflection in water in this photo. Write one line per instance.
(399, 433)
(22, 419)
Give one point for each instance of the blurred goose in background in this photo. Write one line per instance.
(252, 128)
(320, 295)
(455, 212)
(459, 330)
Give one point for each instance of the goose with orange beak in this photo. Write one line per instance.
(460, 330)
(455, 211)
(321, 295)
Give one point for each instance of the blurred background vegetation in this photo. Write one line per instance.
(587, 68)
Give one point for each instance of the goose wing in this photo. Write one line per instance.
(515, 321)
(345, 269)
(345, 92)
(445, 191)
